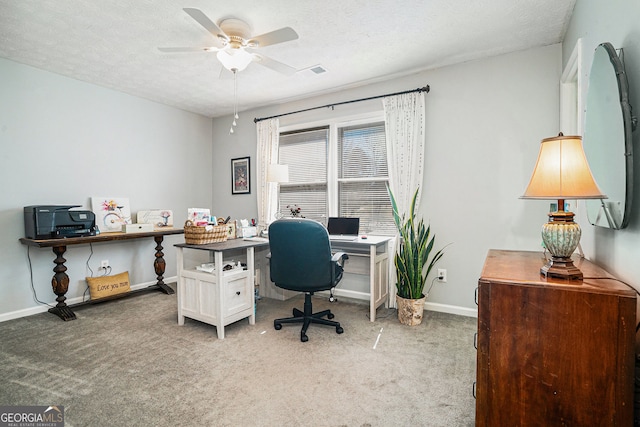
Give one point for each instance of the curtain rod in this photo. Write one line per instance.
(420, 89)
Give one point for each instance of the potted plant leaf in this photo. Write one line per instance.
(414, 260)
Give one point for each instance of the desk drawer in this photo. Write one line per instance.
(238, 295)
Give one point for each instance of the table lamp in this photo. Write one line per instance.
(562, 172)
(277, 173)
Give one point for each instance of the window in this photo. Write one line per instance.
(306, 154)
(338, 170)
(362, 177)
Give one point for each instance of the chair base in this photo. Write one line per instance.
(308, 317)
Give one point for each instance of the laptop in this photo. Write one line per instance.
(343, 228)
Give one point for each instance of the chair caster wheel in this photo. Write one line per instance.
(339, 330)
(277, 326)
(330, 316)
(304, 338)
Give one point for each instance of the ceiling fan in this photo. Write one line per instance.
(235, 47)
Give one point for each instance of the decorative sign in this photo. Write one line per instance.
(159, 218)
(104, 286)
(111, 213)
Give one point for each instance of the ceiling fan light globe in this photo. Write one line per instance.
(234, 59)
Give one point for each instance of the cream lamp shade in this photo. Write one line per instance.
(562, 172)
(278, 173)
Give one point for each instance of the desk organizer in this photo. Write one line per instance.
(200, 234)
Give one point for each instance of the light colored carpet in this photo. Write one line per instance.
(128, 363)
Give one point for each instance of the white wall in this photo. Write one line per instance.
(615, 21)
(63, 141)
(485, 121)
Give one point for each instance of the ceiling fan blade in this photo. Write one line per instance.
(272, 63)
(208, 24)
(187, 49)
(278, 36)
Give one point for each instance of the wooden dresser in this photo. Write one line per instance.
(553, 352)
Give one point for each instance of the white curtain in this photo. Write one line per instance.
(404, 126)
(268, 132)
(404, 131)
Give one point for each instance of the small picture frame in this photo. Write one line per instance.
(240, 178)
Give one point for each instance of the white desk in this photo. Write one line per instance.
(221, 297)
(368, 258)
(375, 251)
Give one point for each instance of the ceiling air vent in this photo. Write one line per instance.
(315, 70)
(319, 69)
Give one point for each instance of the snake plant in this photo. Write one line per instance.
(413, 258)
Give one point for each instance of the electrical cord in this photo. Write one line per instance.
(433, 282)
(89, 259)
(612, 278)
(33, 289)
(107, 271)
(84, 294)
(390, 312)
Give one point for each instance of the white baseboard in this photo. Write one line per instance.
(347, 293)
(432, 306)
(70, 301)
(452, 309)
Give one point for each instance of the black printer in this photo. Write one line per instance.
(57, 221)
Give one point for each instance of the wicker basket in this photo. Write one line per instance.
(200, 235)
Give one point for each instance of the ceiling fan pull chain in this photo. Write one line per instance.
(235, 99)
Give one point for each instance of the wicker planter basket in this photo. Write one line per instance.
(200, 234)
(410, 311)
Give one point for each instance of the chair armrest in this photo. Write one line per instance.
(339, 258)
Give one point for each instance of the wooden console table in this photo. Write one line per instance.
(60, 280)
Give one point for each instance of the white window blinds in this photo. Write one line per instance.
(306, 154)
(362, 178)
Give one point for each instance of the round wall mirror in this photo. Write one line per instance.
(607, 138)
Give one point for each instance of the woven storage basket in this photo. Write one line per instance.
(200, 235)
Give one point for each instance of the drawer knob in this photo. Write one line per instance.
(238, 293)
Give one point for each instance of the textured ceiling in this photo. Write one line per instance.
(113, 43)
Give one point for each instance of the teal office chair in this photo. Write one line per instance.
(301, 260)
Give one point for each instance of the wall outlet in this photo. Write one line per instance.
(442, 275)
(104, 263)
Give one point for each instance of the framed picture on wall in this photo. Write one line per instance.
(240, 180)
